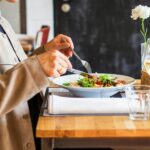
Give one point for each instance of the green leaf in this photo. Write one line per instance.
(66, 84)
(86, 82)
(106, 79)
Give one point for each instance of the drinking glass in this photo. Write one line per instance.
(139, 101)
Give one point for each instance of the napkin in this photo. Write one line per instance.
(71, 105)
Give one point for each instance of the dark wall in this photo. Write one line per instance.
(103, 33)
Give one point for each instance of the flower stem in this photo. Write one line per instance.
(143, 30)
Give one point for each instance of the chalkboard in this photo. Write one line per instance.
(103, 33)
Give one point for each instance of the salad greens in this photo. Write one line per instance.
(66, 84)
(106, 79)
(86, 82)
(97, 80)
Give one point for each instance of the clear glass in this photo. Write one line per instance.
(145, 56)
(139, 101)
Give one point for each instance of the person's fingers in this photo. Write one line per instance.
(63, 63)
(59, 68)
(66, 39)
(70, 41)
(55, 73)
(54, 63)
(67, 52)
(62, 70)
(65, 59)
(57, 55)
(59, 62)
(63, 45)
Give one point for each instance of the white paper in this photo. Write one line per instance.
(70, 105)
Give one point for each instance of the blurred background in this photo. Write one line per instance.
(102, 30)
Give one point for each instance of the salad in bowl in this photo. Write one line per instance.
(95, 85)
(96, 80)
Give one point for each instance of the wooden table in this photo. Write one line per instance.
(91, 126)
(92, 131)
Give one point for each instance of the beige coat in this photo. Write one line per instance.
(18, 84)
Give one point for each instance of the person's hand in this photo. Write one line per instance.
(62, 43)
(54, 63)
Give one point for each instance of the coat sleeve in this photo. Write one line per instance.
(20, 83)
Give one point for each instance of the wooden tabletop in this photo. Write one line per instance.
(91, 127)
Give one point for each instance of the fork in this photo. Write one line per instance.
(83, 62)
(82, 73)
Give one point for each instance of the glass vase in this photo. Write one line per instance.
(145, 57)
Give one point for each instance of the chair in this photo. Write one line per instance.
(42, 36)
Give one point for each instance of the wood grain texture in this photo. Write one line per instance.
(91, 127)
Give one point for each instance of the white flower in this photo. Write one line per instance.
(140, 11)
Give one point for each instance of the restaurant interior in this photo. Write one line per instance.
(107, 40)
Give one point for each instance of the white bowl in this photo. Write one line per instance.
(92, 92)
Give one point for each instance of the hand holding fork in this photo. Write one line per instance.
(83, 62)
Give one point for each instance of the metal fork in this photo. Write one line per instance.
(83, 62)
(82, 73)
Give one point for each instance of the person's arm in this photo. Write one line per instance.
(21, 83)
(61, 42)
(27, 78)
